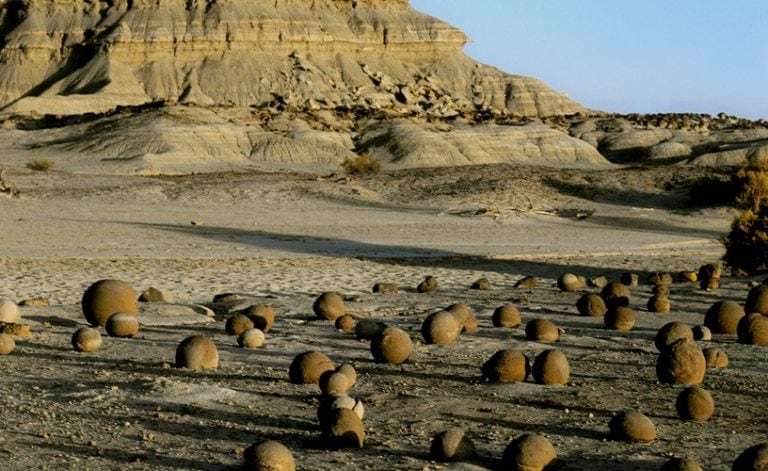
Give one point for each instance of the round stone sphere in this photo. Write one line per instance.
(307, 367)
(542, 330)
(262, 316)
(662, 290)
(753, 329)
(754, 458)
(346, 323)
(465, 316)
(687, 276)
(483, 284)
(251, 338)
(551, 367)
(386, 288)
(659, 303)
(527, 282)
(569, 283)
(529, 452)
(268, 455)
(661, 278)
(344, 429)
(440, 328)
(451, 445)
(428, 285)
(106, 297)
(86, 339)
(701, 332)
(715, 358)
(9, 312)
(506, 316)
(723, 317)
(695, 403)
(757, 299)
(506, 366)
(349, 371)
(682, 363)
(615, 294)
(671, 333)
(709, 284)
(630, 279)
(591, 305)
(333, 383)
(368, 329)
(197, 352)
(681, 464)
(619, 318)
(338, 401)
(7, 344)
(597, 282)
(122, 325)
(238, 323)
(392, 345)
(632, 426)
(329, 306)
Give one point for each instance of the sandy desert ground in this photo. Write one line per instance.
(282, 239)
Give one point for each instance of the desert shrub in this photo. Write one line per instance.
(746, 245)
(361, 165)
(40, 165)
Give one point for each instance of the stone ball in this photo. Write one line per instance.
(757, 299)
(659, 303)
(346, 323)
(506, 366)
(661, 290)
(368, 329)
(106, 297)
(268, 455)
(629, 279)
(386, 288)
(329, 306)
(37, 301)
(709, 284)
(615, 294)
(527, 282)
(506, 316)
(332, 383)
(262, 316)
(701, 332)
(122, 325)
(9, 312)
(349, 371)
(661, 278)
(681, 464)
(483, 284)
(197, 352)
(694, 403)
(452, 445)
(682, 363)
(709, 271)
(440, 328)
(428, 285)
(154, 295)
(225, 298)
(687, 276)
(632, 426)
(619, 318)
(551, 367)
(671, 333)
(465, 316)
(238, 323)
(251, 338)
(307, 367)
(569, 283)
(591, 305)
(754, 458)
(344, 429)
(715, 358)
(597, 282)
(542, 330)
(753, 329)
(723, 317)
(392, 345)
(7, 344)
(86, 339)
(328, 404)
(529, 452)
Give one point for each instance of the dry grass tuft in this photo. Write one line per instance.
(361, 165)
(40, 165)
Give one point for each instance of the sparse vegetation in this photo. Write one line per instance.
(746, 245)
(361, 165)
(40, 165)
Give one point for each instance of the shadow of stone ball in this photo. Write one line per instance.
(238, 323)
(551, 367)
(670, 333)
(681, 464)
(715, 358)
(7, 344)
(723, 317)
(329, 306)
(452, 445)
(753, 329)
(307, 367)
(615, 294)
(428, 285)
(542, 330)
(86, 339)
(9, 312)
(465, 316)
(197, 352)
(251, 338)
(392, 345)
(268, 455)
(506, 316)
(682, 363)
(343, 430)
(695, 404)
(262, 316)
(757, 299)
(754, 458)
(659, 303)
(529, 452)
(633, 427)
(440, 328)
(619, 318)
(122, 325)
(106, 297)
(482, 284)
(386, 288)
(591, 305)
(506, 366)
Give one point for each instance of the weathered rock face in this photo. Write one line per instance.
(70, 57)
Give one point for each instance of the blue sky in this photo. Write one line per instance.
(645, 56)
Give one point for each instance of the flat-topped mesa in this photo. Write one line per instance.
(70, 57)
